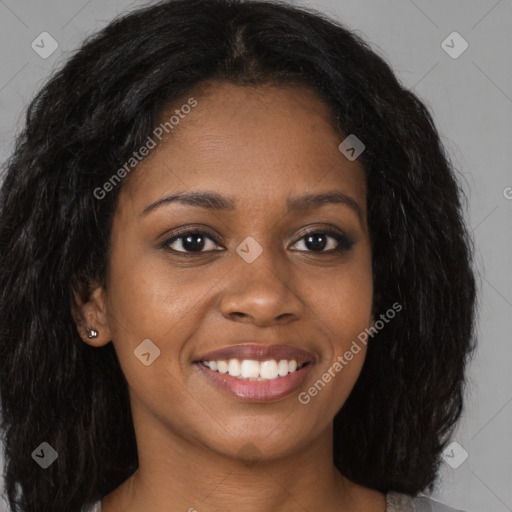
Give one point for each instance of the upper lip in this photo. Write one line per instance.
(257, 352)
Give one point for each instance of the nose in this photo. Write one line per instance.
(261, 292)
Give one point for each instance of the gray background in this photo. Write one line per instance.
(471, 101)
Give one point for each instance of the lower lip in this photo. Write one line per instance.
(257, 391)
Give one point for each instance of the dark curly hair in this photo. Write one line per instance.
(54, 237)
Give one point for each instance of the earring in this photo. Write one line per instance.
(91, 333)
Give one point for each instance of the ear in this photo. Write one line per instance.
(89, 311)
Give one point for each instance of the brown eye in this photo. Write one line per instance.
(191, 242)
(326, 241)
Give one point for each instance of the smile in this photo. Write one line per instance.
(256, 373)
(248, 369)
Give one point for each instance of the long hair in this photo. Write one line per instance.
(98, 108)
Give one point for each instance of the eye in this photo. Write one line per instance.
(325, 240)
(192, 242)
(195, 241)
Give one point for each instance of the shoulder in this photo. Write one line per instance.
(397, 502)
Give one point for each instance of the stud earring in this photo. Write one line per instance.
(91, 333)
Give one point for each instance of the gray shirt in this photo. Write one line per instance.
(395, 502)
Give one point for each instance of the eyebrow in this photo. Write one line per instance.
(214, 201)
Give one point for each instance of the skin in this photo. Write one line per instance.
(199, 447)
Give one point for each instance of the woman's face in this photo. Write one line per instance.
(260, 273)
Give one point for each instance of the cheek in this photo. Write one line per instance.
(149, 299)
(342, 300)
(351, 305)
(145, 296)
(144, 303)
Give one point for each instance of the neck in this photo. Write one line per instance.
(191, 477)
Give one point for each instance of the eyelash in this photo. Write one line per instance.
(344, 242)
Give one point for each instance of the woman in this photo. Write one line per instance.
(234, 273)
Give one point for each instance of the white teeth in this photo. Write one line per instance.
(222, 366)
(233, 367)
(249, 369)
(282, 367)
(268, 370)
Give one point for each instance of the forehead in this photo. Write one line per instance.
(249, 142)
